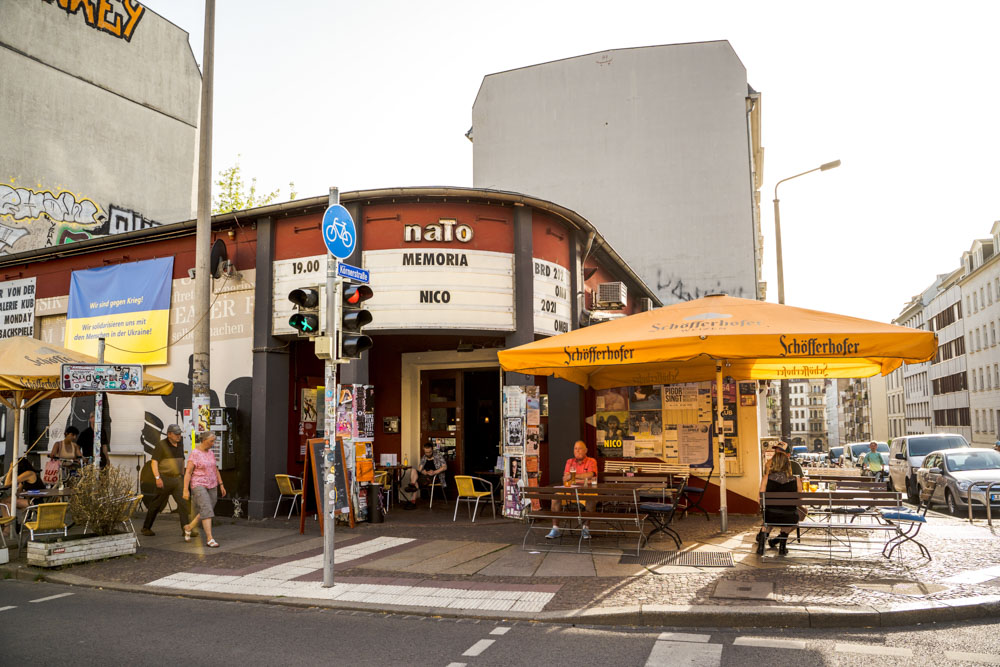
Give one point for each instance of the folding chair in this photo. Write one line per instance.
(662, 513)
(288, 489)
(467, 492)
(908, 524)
(133, 505)
(5, 518)
(441, 483)
(50, 519)
(693, 495)
(384, 485)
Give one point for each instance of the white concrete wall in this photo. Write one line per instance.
(650, 144)
(947, 296)
(984, 399)
(91, 121)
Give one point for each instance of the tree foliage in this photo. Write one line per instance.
(232, 194)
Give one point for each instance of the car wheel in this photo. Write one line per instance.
(890, 485)
(949, 498)
(911, 491)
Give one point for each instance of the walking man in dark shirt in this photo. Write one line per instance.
(168, 471)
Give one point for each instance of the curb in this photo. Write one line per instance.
(689, 616)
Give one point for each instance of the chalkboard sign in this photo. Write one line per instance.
(314, 474)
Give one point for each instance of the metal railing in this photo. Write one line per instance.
(986, 497)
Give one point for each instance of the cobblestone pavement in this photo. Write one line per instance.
(488, 554)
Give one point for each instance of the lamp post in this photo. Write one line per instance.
(786, 415)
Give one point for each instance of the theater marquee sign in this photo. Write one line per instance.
(441, 288)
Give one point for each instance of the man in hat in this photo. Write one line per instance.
(168, 471)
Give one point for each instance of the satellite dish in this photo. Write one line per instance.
(218, 258)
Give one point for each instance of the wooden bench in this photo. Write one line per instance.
(625, 520)
(849, 511)
(690, 498)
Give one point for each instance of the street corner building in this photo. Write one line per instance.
(457, 274)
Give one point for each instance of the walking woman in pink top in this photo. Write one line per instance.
(203, 481)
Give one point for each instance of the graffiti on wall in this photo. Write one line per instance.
(114, 17)
(673, 289)
(43, 218)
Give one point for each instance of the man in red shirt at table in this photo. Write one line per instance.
(586, 468)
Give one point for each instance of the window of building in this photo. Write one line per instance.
(993, 334)
(975, 303)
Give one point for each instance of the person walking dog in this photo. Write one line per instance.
(203, 481)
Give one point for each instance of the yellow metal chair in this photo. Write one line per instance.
(467, 493)
(287, 488)
(50, 519)
(384, 485)
(5, 518)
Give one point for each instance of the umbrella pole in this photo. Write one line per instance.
(13, 458)
(720, 448)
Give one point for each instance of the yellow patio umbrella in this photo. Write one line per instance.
(720, 335)
(30, 371)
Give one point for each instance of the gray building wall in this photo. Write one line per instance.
(948, 294)
(100, 131)
(652, 144)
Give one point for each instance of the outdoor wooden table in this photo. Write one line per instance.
(34, 497)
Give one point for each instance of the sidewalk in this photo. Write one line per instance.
(420, 562)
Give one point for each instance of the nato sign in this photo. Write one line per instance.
(338, 231)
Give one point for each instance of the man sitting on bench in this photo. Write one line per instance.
(580, 467)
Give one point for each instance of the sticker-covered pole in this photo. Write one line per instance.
(98, 410)
(330, 414)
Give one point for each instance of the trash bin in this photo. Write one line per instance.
(374, 506)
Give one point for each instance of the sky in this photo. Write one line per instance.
(906, 94)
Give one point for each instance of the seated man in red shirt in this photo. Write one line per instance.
(584, 468)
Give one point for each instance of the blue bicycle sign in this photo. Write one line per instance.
(338, 231)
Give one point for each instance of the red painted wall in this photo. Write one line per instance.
(550, 239)
(492, 225)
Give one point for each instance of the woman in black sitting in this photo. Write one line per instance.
(779, 477)
(28, 479)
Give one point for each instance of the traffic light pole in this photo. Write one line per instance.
(332, 393)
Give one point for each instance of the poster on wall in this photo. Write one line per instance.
(513, 401)
(126, 304)
(531, 439)
(693, 444)
(646, 397)
(308, 411)
(645, 424)
(513, 482)
(680, 396)
(648, 448)
(611, 400)
(614, 425)
(17, 306)
(514, 435)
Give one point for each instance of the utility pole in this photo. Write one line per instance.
(332, 394)
(201, 390)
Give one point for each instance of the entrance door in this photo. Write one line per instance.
(441, 415)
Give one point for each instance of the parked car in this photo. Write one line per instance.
(798, 451)
(955, 470)
(906, 454)
(835, 455)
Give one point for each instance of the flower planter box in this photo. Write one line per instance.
(79, 549)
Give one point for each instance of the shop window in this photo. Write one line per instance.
(442, 390)
(442, 419)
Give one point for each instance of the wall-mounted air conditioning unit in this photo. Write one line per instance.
(645, 303)
(598, 316)
(611, 296)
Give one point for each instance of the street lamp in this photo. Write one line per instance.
(786, 415)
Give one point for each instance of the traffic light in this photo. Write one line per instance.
(308, 320)
(353, 317)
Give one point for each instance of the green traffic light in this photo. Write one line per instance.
(305, 322)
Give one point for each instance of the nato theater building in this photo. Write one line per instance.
(457, 274)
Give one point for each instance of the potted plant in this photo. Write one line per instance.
(102, 504)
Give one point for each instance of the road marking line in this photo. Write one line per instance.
(9, 607)
(763, 642)
(974, 576)
(479, 647)
(873, 650)
(52, 597)
(500, 631)
(983, 658)
(669, 654)
(457, 664)
(683, 637)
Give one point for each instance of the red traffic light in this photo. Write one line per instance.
(356, 294)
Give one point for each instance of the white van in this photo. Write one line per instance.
(907, 452)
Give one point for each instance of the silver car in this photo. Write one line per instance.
(955, 471)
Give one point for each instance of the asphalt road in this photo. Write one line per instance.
(53, 625)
